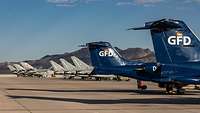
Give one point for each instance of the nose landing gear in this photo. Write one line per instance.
(140, 85)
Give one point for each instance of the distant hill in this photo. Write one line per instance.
(138, 54)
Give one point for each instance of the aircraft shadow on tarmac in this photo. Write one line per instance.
(133, 92)
(178, 100)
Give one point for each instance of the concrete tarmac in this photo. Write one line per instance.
(55, 95)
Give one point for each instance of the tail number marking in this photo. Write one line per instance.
(106, 52)
(179, 39)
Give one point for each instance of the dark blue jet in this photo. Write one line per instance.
(177, 51)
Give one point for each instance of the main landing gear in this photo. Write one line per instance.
(179, 90)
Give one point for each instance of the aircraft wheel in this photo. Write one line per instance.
(142, 87)
(98, 79)
(180, 91)
(83, 78)
(118, 78)
(196, 87)
(70, 77)
(169, 89)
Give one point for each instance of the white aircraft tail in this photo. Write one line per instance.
(27, 66)
(18, 67)
(80, 64)
(67, 66)
(56, 67)
(11, 68)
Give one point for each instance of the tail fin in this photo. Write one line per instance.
(79, 63)
(12, 68)
(18, 67)
(56, 67)
(26, 66)
(103, 54)
(67, 66)
(173, 41)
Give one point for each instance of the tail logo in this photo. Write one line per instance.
(107, 53)
(179, 39)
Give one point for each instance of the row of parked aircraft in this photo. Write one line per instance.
(68, 70)
(79, 69)
(26, 70)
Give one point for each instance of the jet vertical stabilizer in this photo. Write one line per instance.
(173, 41)
(18, 67)
(80, 64)
(104, 55)
(56, 67)
(12, 68)
(20, 71)
(27, 66)
(67, 66)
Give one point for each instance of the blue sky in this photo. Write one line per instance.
(30, 29)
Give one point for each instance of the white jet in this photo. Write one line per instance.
(58, 69)
(66, 69)
(20, 71)
(12, 69)
(31, 71)
(84, 69)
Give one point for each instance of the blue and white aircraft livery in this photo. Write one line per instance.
(177, 51)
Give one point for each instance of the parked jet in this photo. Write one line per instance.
(84, 70)
(58, 69)
(20, 71)
(177, 51)
(81, 67)
(65, 70)
(74, 71)
(68, 67)
(31, 71)
(12, 69)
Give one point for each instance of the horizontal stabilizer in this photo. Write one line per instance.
(160, 24)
